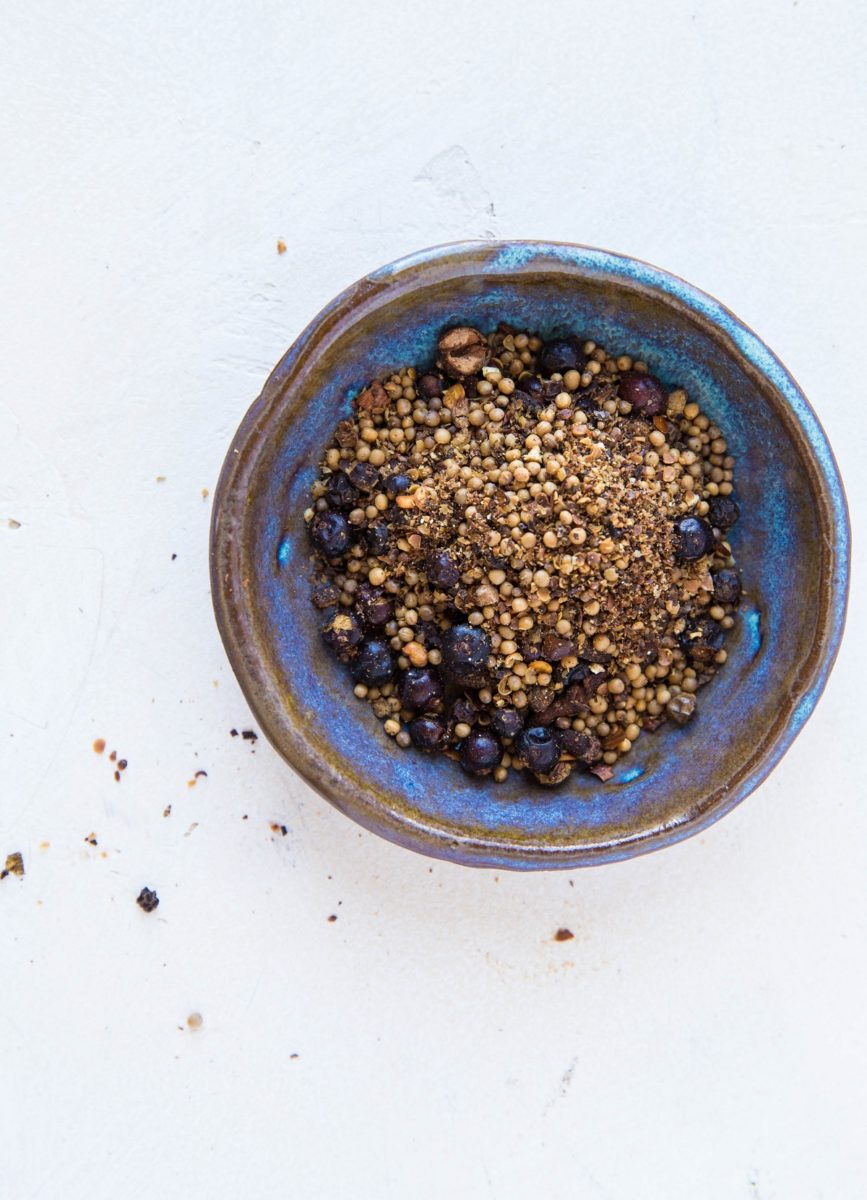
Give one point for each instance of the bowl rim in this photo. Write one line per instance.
(426, 837)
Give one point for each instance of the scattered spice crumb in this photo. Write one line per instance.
(275, 828)
(281, 246)
(201, 774)
(113, 756)
(563, 935)
(294, 1056)
(245, 817)
(233, 733)
(205, 493)
(13, 524)
(167, 811)
(91, 839)
(99, 746)
(147, 900)
(195, 825)
(122, 765)
(161, 478)
(45, 845)
(174, 556)
(194, 1021)
(14, 865)
(117, 777)
(249, 735)
(333, 917)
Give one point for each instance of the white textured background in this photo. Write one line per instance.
(703, 1036)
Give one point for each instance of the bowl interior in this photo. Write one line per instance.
(675, 780)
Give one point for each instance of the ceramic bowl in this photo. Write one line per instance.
(792, 545)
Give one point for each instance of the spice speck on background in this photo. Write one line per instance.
(147, 900)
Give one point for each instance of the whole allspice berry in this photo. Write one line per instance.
(644, 392)
(462, 352)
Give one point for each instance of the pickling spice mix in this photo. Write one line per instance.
(521, 553)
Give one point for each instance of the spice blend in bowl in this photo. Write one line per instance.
(522, 552)
(792, 549)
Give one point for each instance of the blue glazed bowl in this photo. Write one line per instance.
(792, 544)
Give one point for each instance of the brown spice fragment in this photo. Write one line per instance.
(14, 864)
(602, 771)
(325, 595)
(653, 723)
(281, 246)
(584, 747)
(99, 746)
(563, 935)
(373, 399)
(557, 775)
(573, 700)
(91, 839)
(462, 352)
(541, 699)
(346, 435)
(555, 648)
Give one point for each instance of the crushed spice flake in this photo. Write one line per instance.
(523, 553)
(14, 865)
(563, 935)
(99, 746)
(281, 246)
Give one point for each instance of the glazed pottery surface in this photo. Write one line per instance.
(792, 545)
